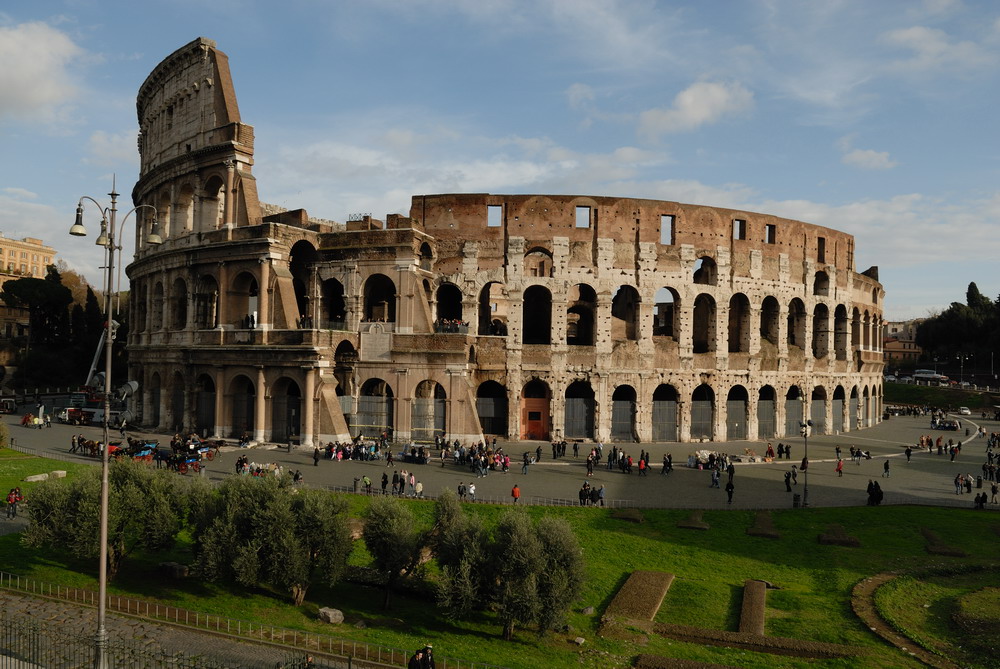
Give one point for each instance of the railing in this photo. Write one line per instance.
(243, 629)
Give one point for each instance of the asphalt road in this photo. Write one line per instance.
(927, 479)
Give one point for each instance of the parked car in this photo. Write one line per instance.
(964, 411)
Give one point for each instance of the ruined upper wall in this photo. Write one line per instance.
(188, 103)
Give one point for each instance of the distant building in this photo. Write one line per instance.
(19, 258)
(900, 345)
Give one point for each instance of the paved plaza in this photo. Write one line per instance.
(927, 479)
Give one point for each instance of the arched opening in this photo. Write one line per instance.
(158, 304)
(580, 323)
(178, 395)
(380, 299)
(793, 411)
(163, 211)
(204, 405)
(817, 410)
(538, 262)
(493, 310)
(767, 424)
(139, 323)
(739, 324)
(580, 410)
(840, 332)
(302, 259)
(428, 413)
(623, 414)
(426, 257)
(625, 314)
(705, 271)
(703, 324)
(213, 204)
(837, 409)
(770, 320)
(535, 398)
(537, 315)
(737, 413)
(703, 413)
(852, 412)
(797, 324)
(821, 284)
(155, 398)
(345, 358)
(334, 307)
(449, 306)
(821, 332)
(866, 339)
(665, 413)
(286, 410)
(178, 304)
(866, 408)
(244, 297)
(667, 311)
(491, 406)
(375, 409)
(856, 330)
(241, 395)
(184, 214)
(206, 303)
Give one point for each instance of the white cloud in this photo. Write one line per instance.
(34, 72)
(867, 159)
(579, 94)
(20, 193)
(932, 49)
(107, 150)
(700, 103)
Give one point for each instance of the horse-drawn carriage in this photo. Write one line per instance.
(137, 449)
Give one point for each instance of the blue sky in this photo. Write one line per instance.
(875, 118)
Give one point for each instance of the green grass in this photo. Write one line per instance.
(15, 466)
(812, 602)
(907, 393)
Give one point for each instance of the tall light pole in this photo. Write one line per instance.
(806, 426)
(107, 240)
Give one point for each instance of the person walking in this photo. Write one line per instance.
(788, 482)
(885, 468)
(731, 470)
(515, 493)
(729, 492)
(471, 491)
(316, 457)
(14, 497)
(525, 463)
(840, 467)
(909, 453)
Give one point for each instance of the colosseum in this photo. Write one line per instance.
(477, 315)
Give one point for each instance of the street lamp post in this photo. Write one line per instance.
(806, 426)
(107, 240)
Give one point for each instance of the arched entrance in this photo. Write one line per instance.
(286, 410)
(623, 414)
(375, 408)
(491, 406)
(580, 406)
(535, 420)
(793, 411)
(838, 410)
(703, 413)
(334, 315)
(766, 411)
(737, 413)
(428, 413)
(177, 397)
(155, 392)
(537, 315)
(241, 395)
(204, 405)
(665, 413)
(817, 410)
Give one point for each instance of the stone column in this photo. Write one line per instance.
(220, 403)
(263, 295)
(309, 410)
(222, 313)
(259, 407)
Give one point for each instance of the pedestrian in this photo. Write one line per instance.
(316, 457)
(642, 467)
(428, 660)
(600, 494)
(13, 498)
(416, 661)
(840, 467)
(385, 482)
(715, 478)
(837, 451)
(788, 452)
(729, 492)
(731, 470)
(418, 490)
(525, 463)
(909, 452)
(885, 468)
(576, 449)
(515, 493)
(788, 482)
(993, 491)
(73, 444)
(805, 464)
(472, 492)
(795, 475)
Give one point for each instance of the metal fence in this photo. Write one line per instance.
(356, 653)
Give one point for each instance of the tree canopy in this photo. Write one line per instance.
(972, 327)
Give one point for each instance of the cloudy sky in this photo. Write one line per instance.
(875, 118)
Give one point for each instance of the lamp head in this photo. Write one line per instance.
(153, 238)
(103, 239)
(78, 230)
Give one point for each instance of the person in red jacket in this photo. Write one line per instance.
(515, 493)
(13, 498)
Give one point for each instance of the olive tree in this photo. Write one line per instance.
(393, 541)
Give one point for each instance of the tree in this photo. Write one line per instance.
(46, 302)
(516, 562)
(393, 540)
(561, 577)
(263, 530)
(459, 543)
(144, 512)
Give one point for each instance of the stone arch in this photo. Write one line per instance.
(491, 407)
(206, 303)
(204, 405)
(817, 410)
(793, 411)
(739, 324)
(666, 313)
(821, 284)
(178, 304)
(375, 408)
(178, 401)
(706, 271)
(837, 410)
(242, 393)
(580, 411)
(866, 332)
(537, 315)
(302, 258)
(345, 359)
(426, 257)
(213, 204)
(625, 314)
(184, 209)
(840, 333)
(286, 410)
(493, 310)
(155, 400)
(244, 298)
(449, 302)
(538, 262)
(767, 423)
(737, 413)
(866, 407)
(158, 307)
(703, 324)
(334, 316)
(820, 331)
(856, 329)
(141, 311)
(770, 320)
(380, 299)
(703, 413)
(874, 295)
(665, 424)
(536, 398)
(797, 323)
(164, 212)
(581, 310)
(428, 411)
(623, 410)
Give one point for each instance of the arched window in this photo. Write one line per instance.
(334, 305)
(178, 304)
(739, 324)
(581, 307)
(537, 315)
(797, 323)
(821, 284)
(666, 312)
(380, 299)
(538, 262)
(706, 272)
(703, 333)
(449, 303)
(821, 331)
(840, 333)
(493, 310)
(625, 314)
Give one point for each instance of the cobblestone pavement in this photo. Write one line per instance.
(927, 479)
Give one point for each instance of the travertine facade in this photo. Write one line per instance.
(523, 316)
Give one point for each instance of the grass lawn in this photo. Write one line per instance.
(15, 466)
(906, 393)
(812, 602)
